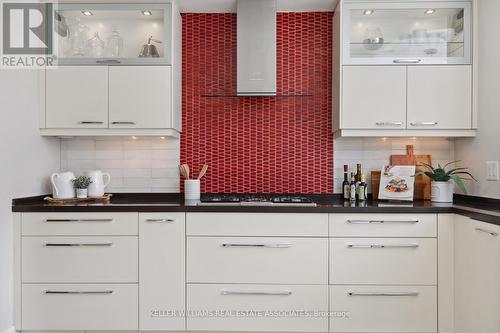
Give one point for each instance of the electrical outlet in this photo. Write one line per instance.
(492, 170)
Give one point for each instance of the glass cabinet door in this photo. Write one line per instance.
(112, 34)
(407, 33)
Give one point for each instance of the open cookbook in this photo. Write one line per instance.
(397, 182)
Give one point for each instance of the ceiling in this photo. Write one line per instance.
(229, 6)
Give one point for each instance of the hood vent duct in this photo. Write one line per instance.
(256, 48)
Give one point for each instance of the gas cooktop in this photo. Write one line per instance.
(255, 200)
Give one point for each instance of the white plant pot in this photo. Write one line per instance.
(442, 191)
(192, 189)
(81, 193)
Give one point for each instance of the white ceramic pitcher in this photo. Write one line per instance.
(96, 188)
(62, 185)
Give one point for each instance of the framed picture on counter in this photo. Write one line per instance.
(397, 182)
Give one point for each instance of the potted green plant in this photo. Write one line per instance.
(81, 185)
(443, 180)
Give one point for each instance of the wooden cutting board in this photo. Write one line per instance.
(422, 183)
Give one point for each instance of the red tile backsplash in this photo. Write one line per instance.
(258, 144)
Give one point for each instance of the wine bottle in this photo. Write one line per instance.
(363, 190)
(353, 187)
(358, 178)
(346, 187)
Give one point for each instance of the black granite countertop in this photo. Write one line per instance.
(483, 209)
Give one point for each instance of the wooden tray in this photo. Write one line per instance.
(104, 198)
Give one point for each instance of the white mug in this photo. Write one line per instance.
(62, 185)
(192, 189)
(96, 188)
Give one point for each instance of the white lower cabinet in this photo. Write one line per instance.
(406, 261)
(79, 307)
(385, 309)
(257, 260)
(268, 308)
(102, 259)
(477, 276)
(162, 271)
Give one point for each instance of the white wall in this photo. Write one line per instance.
(485, 146)
(27, 160)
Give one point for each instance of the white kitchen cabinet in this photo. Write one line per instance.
(397, 309)
(257, 260)
(407, 32)
(440, 97)
(161, 271)
(404, 69)
(255, 307)
(374, 97)
(477, 276)
(68, 307)
(140, 97)
(76, 97)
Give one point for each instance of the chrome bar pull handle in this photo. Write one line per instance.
(395, 294)
(90, 122)
(69, 292)
(492, 233)
(424, 123)
(78, 220)
(108, 61)
(160, 220)
(256, 293)
(382, 246)
(78, 244)
(273, 246)
(380, 221)
(389, 123)
(123, 123)
(407, 61)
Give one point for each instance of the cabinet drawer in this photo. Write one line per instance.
(80, 259)
(257, 224)
(259, 299)
(408, 261)
(383, 225)
(79, 307)
(257, 260)
(384, 309)
(120, 224)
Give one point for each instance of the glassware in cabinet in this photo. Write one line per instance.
(111, 34)
(407, 33)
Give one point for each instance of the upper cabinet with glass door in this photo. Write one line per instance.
(113, 34)
(407, 32)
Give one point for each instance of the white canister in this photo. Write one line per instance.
(192, 189)
(96, 188)
(62, 185)
(442, 191)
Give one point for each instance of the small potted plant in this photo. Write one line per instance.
(81, 184)
(443, 180)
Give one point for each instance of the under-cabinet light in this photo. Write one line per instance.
(367, 11)
(147, 13)
(87, 13)
(430, 11)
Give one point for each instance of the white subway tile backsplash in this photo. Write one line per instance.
(151, 164)
(135, 165)
(373, 153)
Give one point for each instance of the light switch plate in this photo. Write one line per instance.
(492, 170)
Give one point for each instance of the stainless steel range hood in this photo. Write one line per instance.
(256, 48)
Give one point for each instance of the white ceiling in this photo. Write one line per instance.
(229, 6)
